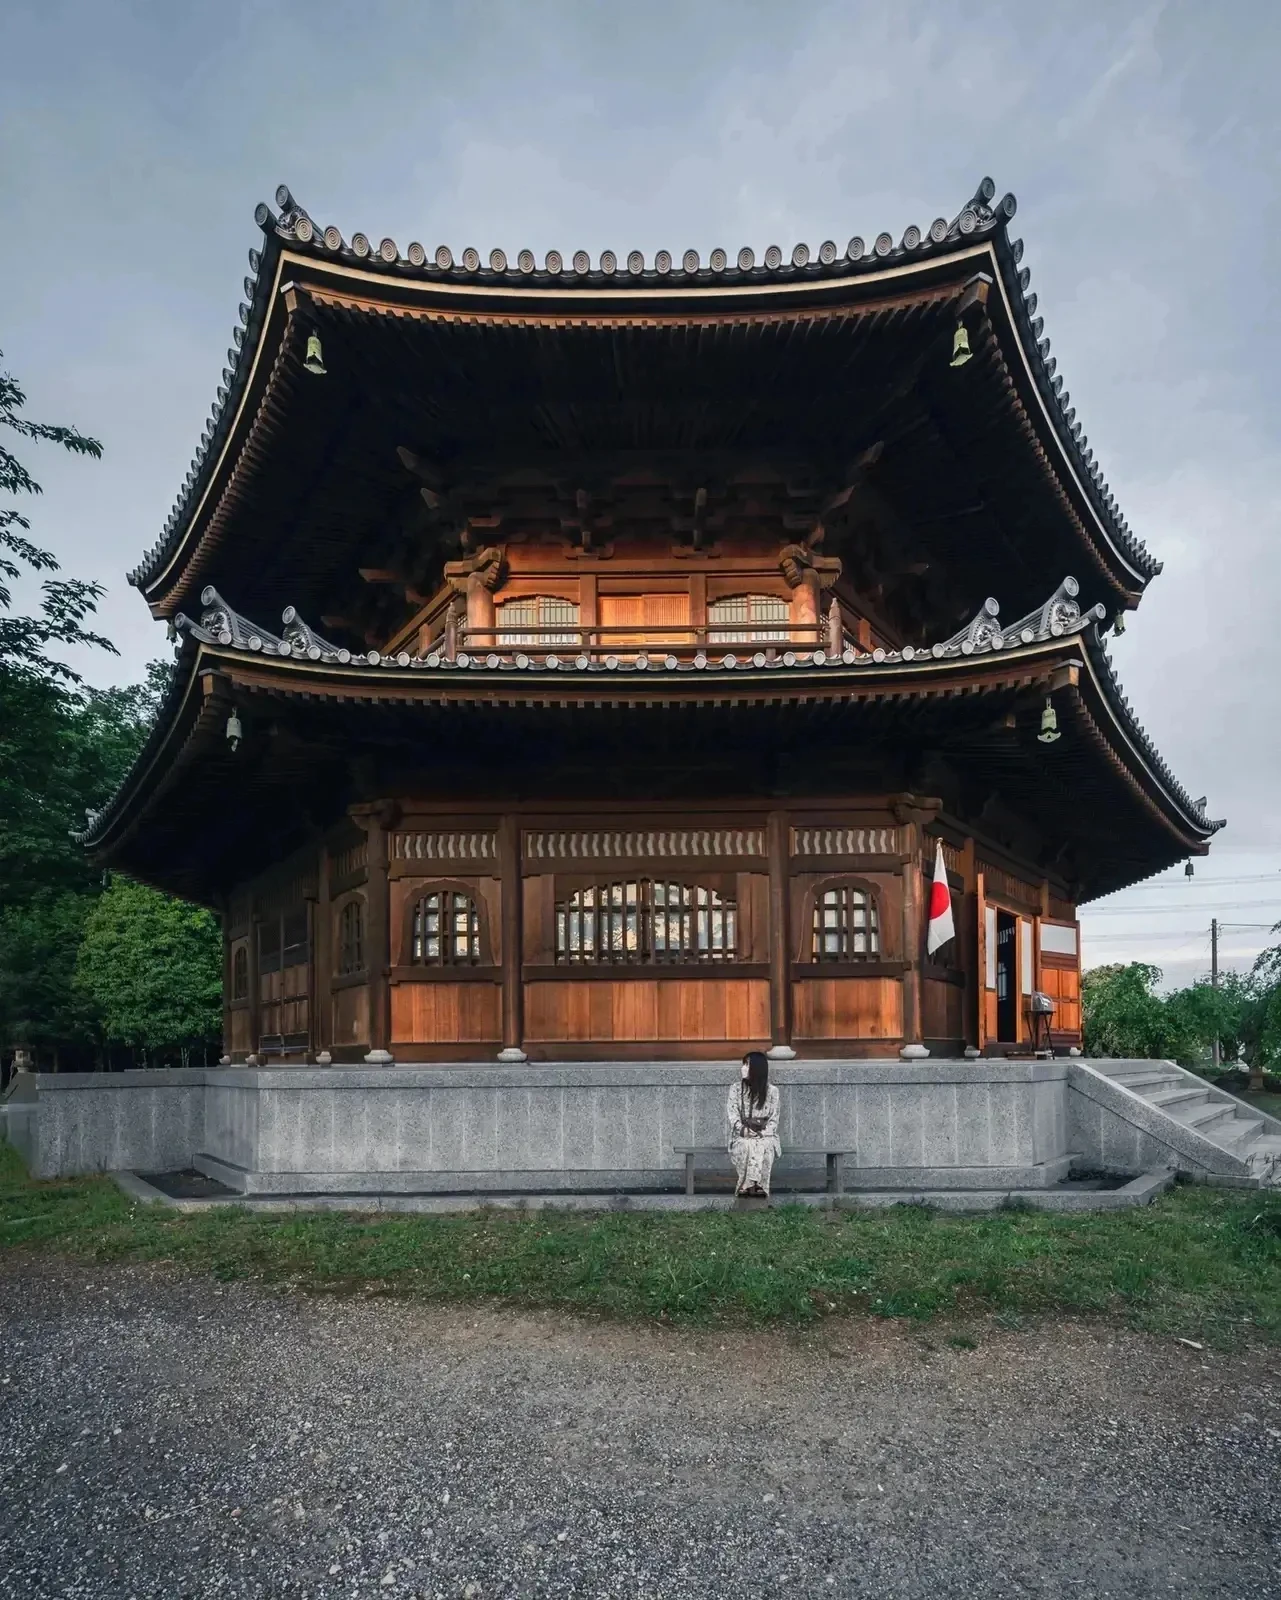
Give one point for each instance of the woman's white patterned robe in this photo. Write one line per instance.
(752, 1154)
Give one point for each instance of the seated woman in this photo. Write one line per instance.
(752, 1114)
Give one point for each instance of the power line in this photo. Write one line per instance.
(1162, 883)
(1177, 905)
(1181, 882)
(1139, 936)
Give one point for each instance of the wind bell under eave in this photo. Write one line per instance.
(1049, 723)
(961, 352)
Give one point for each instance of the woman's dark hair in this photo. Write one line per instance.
(757, 1076)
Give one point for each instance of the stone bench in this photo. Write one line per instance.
(834, 1160)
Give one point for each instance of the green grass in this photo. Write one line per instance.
(1271, 1103)
(1201, 1263)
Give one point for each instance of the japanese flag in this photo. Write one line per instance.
(941, 927)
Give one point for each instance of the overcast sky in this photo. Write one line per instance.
(1141, 140)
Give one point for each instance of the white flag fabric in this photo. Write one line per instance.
(941, 927)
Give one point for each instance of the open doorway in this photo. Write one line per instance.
(1007, 996)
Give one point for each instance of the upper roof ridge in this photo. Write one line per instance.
(982, 216)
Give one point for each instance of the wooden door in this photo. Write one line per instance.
(650, 619)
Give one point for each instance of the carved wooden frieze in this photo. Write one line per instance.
(352, 858)
(845, 841)
(412, 845)
(661, 844)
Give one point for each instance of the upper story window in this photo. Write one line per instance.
(351, 937)
(240, 973)
(748, 619)
(846, 927)
(539, 620)
(445, 929)
(639, 921)
(282, 942)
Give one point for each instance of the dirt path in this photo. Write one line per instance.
(162, 1436)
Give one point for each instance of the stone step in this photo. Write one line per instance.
(1175, 1094)
(1196, 1114)
(1140, 1082)
(1239, 1131)
(1119, 1071)
(1223, 1128)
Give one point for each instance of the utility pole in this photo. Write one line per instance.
(1214, 976)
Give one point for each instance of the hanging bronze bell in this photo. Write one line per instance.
(1049, 724)
(961, 352)
(314, 361)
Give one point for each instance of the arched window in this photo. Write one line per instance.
(540, 620)
(351, 938)
(846, 927)
(240, 973)
(445, 929)
(641, 921)
(748, 619)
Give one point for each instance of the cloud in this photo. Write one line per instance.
(1142, 148)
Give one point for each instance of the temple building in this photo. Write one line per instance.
(583, 659)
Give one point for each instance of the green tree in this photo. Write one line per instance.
(63, 749)
(151, 968)
(1122, 1014)
(65, 603)
(40, 1003)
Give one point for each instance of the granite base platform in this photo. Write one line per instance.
(994, 1126)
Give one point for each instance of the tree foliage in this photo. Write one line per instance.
(1123, 1015)
(150, 967)
(65, 603)
(64, 748)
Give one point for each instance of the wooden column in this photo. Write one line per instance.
(972, 946)
(980, 958)
(698, 606)
(255, 978)
(512, 889)
(588, 609)
(378, 934)
(225, 918)
(913, 938)
(322, 959)
(780, 969)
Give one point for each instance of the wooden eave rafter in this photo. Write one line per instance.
(341, 286)
(232, 677)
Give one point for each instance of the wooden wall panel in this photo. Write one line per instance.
(647, 614)
(647, 1010)
(847, 1008)
(1063, 985)
(351, 1015)
(239, 1034)
(941, 1005)
(445, 1013)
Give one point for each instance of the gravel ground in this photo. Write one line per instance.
(166, 1436)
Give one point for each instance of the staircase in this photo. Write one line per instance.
(1206, 1130)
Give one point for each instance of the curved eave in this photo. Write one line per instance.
(184, 720)
(214, 677)
(296, 250)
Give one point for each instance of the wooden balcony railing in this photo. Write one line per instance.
(601, 643)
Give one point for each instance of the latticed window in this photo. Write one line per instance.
(240, 974)
(845, 924)
(351, 937)
(748, 619)
(282, 942)
(539, 620)
(445, 929)
(642, 921)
